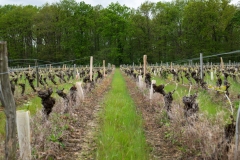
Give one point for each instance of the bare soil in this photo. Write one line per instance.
(80, 142)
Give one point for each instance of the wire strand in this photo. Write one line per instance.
(4, 73)
(209, 56)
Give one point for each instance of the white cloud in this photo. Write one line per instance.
(235, 2)
(26, 2)
(104, 3)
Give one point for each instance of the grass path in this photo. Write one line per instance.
(121, 135)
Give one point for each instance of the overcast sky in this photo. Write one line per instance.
(104, 3)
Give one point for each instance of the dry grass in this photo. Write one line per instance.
(63, 135)
(178, 137)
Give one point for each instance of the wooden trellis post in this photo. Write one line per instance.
(144, 65)
(201, 65)
(23, 127)
(36, 65)
(91, 67)
(8, 103)
(211, 72)
(29, 69)
(104, 68)
(74, 70)
(222, 64)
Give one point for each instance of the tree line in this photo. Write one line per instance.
(165, 31)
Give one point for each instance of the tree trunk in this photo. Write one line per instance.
(8, 103)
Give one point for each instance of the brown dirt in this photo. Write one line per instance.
(78, 128)
(80, 142)
(71, 135)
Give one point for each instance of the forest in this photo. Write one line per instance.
(165, 31)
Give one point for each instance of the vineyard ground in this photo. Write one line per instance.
(168, 139)
(65, 136)
(29, 101)
(121, 133)
(179, 138)
(151, 113)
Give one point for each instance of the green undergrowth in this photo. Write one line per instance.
(2, 125)
(204, 100)
(234, 89)
(121, 135)
(33, 104)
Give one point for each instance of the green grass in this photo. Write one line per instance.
(121, 135)
(33, 104)
(204, 100)
(233, 90)
(179, 93)
(2, 124)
